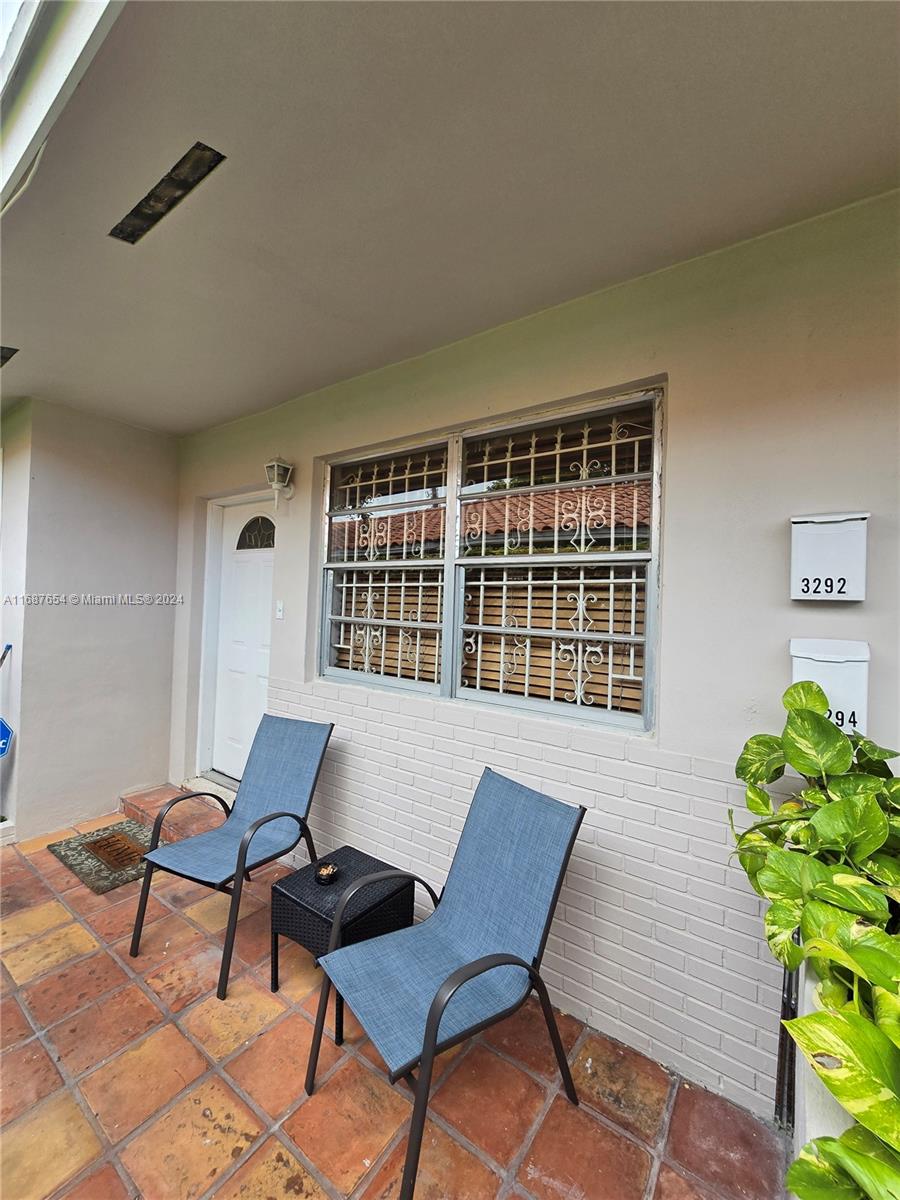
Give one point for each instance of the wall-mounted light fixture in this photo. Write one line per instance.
(278, 476)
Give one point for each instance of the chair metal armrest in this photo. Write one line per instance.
(257, 825)
(375, 877)
(161, 815)
(461, 975)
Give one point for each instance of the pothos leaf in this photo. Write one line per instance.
(876, 952)
(883, 867)
(858, 1064)
(761, 760)
(870, 749)
(887, 1013)
(815, 747)
(879, 1179)
(758, 800)
(856, 826)
(811, 1177)
(844, 889)
(805, 694)
(857, 783)
(821, 920)
(781, 921)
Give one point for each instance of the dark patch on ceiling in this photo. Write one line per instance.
(191, 169)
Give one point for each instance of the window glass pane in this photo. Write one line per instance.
(385, 536)
(257, 534)
(603, 445)
(418, 475)
(587, 519)
(570, 634)
(387, 622)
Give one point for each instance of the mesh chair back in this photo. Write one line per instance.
(505, 878)
(281, 771)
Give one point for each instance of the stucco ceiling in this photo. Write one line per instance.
(402, 175)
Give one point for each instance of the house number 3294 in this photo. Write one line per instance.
(841, 718)
(827, 586)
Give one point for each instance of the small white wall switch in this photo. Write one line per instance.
(841, 669)
(279, 610)
(828, 556)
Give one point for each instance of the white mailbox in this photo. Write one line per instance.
(841, 669)
(828, 556)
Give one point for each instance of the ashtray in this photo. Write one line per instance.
(327, 872)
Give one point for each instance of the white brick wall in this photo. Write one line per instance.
(657, 938)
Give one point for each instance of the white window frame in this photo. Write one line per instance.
(454, 565)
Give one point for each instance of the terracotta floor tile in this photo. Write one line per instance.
(27, 1075)
(446, 1169)
(49, 867)
(52, 998)
(253, 941)
(574, 1155)
(51, 950)
(84, 901)
(286, 1044)
(491, 1102)
(90, 1036)
(672, 1185)
(160, 943)
(271, 1173)
(298, 974)
(622, 1084)
(212, 911)
(100, 822)
(178, 892)
(118, 920)
(33, 845)
(14, 1025)
(185, 979)
(725, 1146)
(140, 1080)
(354, 1034)
(22, 889)
(181, 1154)
(104, 1184)
(346, 1123)
(221, 1026)
(45, 1148)
(524, 1036)
(18, 927)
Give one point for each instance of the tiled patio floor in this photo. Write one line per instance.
(127, 1077)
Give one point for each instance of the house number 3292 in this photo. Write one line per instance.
(827, 586)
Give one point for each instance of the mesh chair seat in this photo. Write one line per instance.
(390, 982)
(211, 857)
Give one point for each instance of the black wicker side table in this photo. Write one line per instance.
(303, 910)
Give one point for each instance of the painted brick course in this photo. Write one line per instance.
(657, 938)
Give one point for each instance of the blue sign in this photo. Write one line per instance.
(6, 737)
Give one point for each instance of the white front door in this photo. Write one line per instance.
(245, 615)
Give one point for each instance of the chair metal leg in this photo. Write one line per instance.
(274, 961)
(553, 1030)
(338, 1019)
(317, 1035)
(230, 932)
(417, 1125)
(141, 910)
(310, 845)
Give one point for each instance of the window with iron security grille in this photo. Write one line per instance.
(514, 566)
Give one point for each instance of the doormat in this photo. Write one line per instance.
(106, 858)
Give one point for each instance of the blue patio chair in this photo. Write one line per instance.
(474, 961)
(268, 819)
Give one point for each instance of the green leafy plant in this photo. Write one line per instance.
(828, 860)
